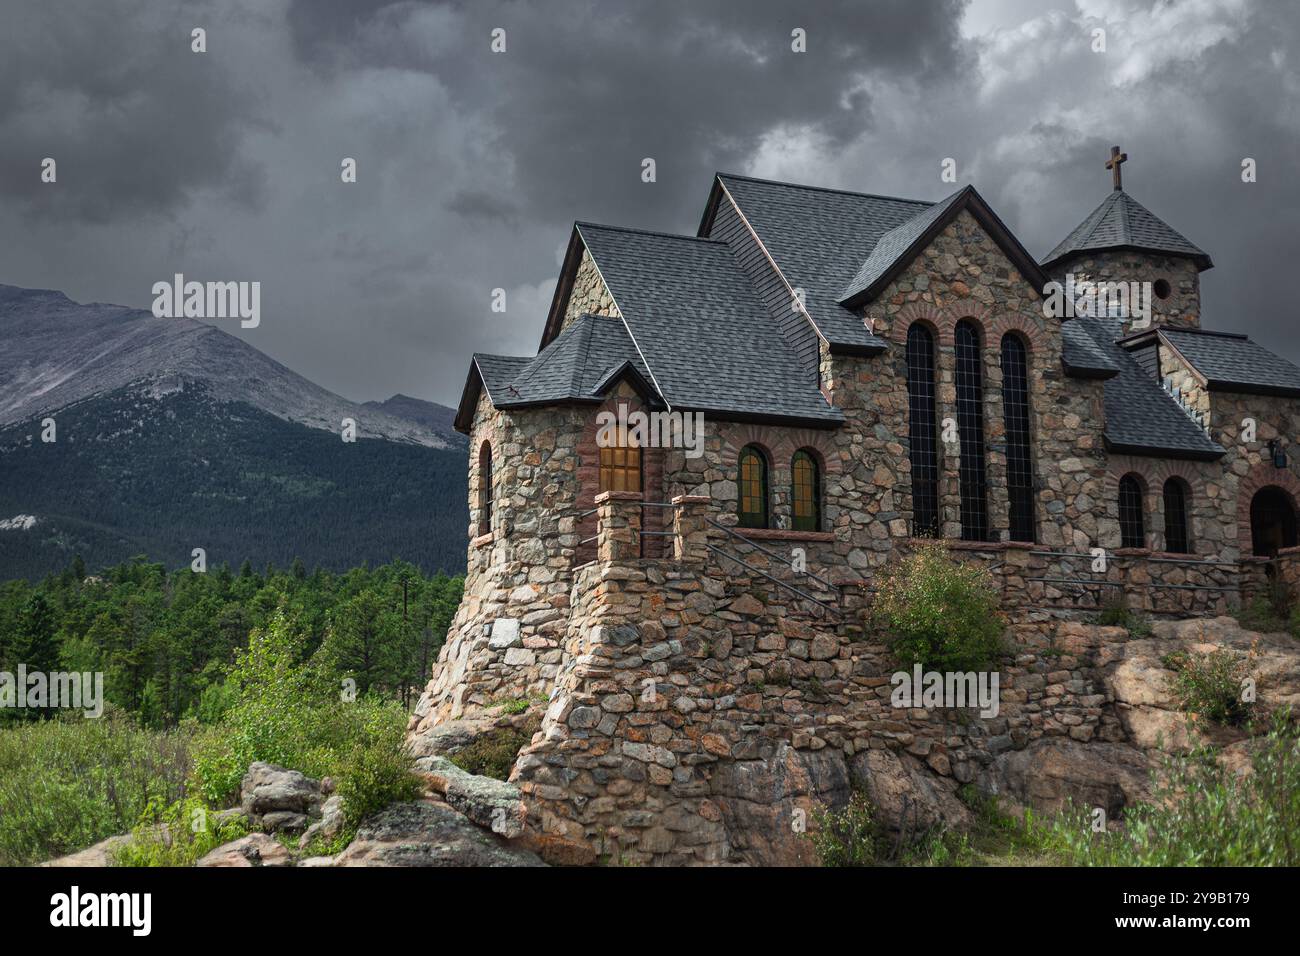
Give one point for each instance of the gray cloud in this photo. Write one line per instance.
(472, 165)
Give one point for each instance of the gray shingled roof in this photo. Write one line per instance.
(819, 239)
(1083, 357)
(707, 339)
(1233, 362)
(1141, 417)
(575, 367)
(1122, 222)
(895, 243)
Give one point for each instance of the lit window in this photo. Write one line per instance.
(807, 498)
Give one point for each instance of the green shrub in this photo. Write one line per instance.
(1202, 815)
(849, 836)
(493, 754)
(1262, 614)
(1210, 685)
(375, 773)
(1116, 613)
(177, 834)
(940, 613)
(68, 783)
(285, 712)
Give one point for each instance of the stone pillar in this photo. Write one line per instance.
(618, 518)
(690, 528)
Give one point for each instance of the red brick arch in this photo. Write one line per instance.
(780, 444)
(1261, 475)
(942, 320)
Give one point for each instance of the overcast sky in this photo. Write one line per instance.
(473, 165)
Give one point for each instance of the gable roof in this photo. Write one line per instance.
(1228, 361)
(581, 365)
(898, 247)
(1141, 417)
(708, 342)
(818, 238)
(1121, 222)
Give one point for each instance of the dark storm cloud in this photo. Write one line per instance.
(135, 120)
(473, 165)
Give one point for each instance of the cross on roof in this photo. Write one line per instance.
(1116, 157)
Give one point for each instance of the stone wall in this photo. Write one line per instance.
(1181, 307)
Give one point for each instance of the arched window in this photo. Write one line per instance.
(970, 429)
(1132, 517)
(1272, 522)
(1177, 534)
(485, 488)
(753, 488)
(806, 492)
(620, 468)
(1020, 462)
(921, 432)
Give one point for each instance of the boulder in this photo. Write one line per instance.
(256, 849)
(487, 801)
(1053, 771)
(329, 824)
(909, 797)
(429, 833)
(274, 798)
(448, 737)
(101, 854)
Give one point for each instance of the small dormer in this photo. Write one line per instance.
(1121, 241)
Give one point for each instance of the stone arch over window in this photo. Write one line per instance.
(806, 491)
(1262, 475)
(1177, 496)
(485, 488)
(753, 506)
(922, 428)
(971, 472)
(1016, 418)
(1132, 511)
(1272, 521)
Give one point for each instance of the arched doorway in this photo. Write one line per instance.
(1272, 522)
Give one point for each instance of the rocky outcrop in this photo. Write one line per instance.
(490, 803)
(429, 833)
(274, 798)
(328, 826)
(1051, 773)
(101, 854)
(256, 849)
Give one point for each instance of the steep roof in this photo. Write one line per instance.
(1231, 362)
(1083, 357)
(1141, 417)
(708, 342)
(819, 239)
(1121, 222)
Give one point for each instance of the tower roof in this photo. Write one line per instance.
(1121, 222)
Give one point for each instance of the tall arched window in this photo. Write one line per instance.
(1177, 527)
(1132, 518)
(921, 432)
(753, 488)
(970, 429)
(485, 488)
(806, 492)
(620, 468)
(1020, 462)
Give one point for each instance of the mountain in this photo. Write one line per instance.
(437, 418)
(173, 435)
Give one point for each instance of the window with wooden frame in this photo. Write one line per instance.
(753, 488)
(1178, 538)
(1132, 518)
(620, 469)
(806, 492)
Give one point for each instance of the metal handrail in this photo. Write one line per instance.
(775, 580)
(772, 554)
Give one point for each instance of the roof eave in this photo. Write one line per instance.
(1202, 259)
(1153, 451)
(1241, 388)
(464, 420)
(1088, 371)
